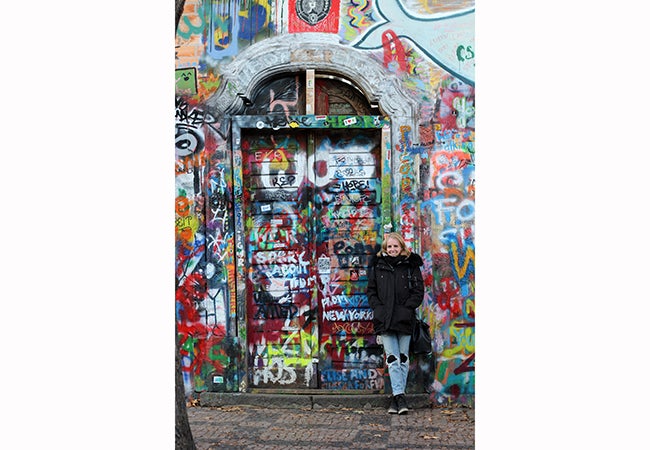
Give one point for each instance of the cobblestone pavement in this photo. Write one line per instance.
(251, 427)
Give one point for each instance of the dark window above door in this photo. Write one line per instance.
(287, 94)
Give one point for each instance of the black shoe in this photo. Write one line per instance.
(392, 409)
(402, 407)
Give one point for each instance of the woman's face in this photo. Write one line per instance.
(392, 247)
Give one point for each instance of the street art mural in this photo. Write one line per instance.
(429, 35)
(313, 16)
(278, 213)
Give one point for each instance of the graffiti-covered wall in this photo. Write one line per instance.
(242, 70)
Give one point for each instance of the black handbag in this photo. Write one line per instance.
(420, 338)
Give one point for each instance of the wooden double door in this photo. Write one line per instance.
(312, 217)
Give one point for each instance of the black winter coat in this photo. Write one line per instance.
(392, 301)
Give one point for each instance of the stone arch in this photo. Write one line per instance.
(320, 51)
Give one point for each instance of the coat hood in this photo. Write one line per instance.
(414, 260)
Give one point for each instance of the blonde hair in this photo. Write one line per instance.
(398, 237)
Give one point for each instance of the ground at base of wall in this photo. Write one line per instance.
(259, 427)
(309, 402)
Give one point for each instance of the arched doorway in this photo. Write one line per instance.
(313, 178)
(311, 209)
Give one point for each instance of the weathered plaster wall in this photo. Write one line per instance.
(430, 49)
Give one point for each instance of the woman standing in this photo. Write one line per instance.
(395, 290)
